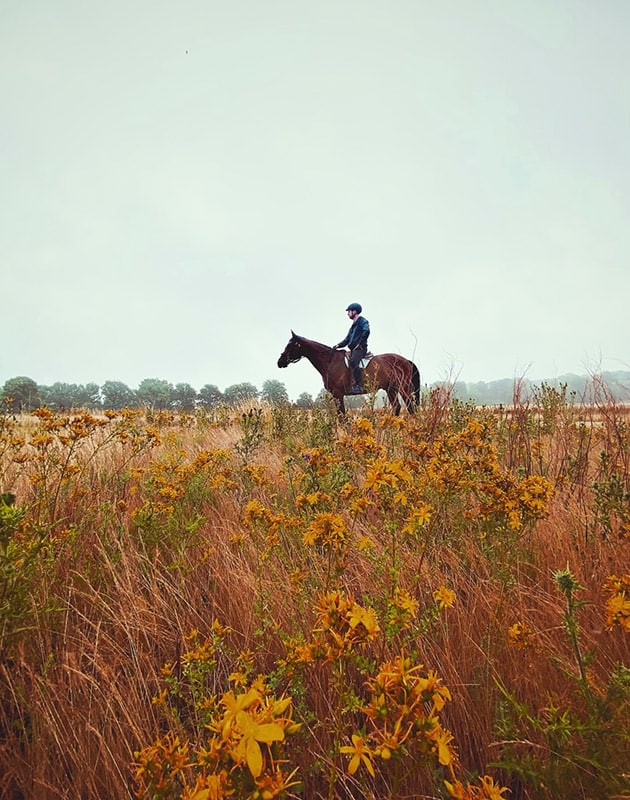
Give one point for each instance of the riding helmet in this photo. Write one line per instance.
(355, 307)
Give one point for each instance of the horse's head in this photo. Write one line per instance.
(292, 352)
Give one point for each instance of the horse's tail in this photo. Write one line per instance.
(415, 383)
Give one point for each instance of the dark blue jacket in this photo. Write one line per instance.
(357, 335)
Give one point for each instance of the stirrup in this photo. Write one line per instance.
(356, 389)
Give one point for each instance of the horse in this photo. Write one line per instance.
(391, 372)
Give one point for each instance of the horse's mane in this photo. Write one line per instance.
(311, 341)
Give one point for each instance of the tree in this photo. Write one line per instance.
(88, 396)
(240, 393)
(323, 398)
(117, 395)
(502, 391)
(184, 397)
(58, 396)
(479, 392)
(210, 396)
(155, 393)
(274, 392)
(21, 394)
(460, 391)
(70, 395)
(305, 400)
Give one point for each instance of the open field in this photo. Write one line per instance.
(269, 602)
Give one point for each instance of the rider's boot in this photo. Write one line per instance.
(358, 381)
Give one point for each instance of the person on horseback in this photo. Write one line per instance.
(356, 341)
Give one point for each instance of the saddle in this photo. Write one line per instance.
(364, 361)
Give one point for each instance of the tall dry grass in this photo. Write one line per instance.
(131, 531)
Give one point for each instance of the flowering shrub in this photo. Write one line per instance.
(393, 621)
(618, 602)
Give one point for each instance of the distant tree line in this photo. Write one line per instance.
(576, 388)
(24, 394)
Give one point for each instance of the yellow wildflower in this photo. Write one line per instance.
(257, 473)
(420, 515)
(326, 529)
(618, 603)
(347, 490)
(361, 754)
(514, 520)
(359, 505)
(491, 790)
(274, 784)
(386, 474)
(253, 734)
(488, 790)
(433, 688)
(405, 602)
(519, 635)
(363, 426)
(311, 499)
(366, 543)
(402, 608)
(618, 612)
(445, 597)
(458, 790)
(365, 617)
(255, 511)
(297, 578)
(442, 739)
(209, 787)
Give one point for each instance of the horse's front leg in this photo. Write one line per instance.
(341, 406)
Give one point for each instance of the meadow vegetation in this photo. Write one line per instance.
(272, 602)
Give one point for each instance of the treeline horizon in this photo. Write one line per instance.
(577, 388)
(22, 393)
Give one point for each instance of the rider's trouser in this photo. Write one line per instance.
(355, 364)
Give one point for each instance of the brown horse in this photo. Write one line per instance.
(391, 372)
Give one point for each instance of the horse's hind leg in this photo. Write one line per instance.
(392, 395)
(407, 392)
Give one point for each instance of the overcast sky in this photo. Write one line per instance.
(183, 183)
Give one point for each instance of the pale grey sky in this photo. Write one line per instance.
(182, 183)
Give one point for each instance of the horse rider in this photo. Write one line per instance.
(356, 341)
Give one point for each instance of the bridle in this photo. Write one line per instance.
(293, 359)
